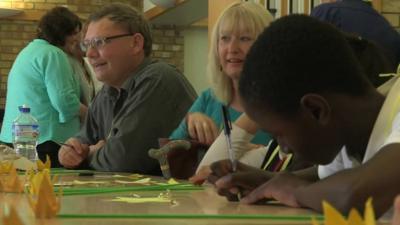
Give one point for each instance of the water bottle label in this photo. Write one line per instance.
(26, 131)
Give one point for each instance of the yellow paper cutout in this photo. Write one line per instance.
(172, 181)
(41, 166)
(355, 218)
(47, 204)
(369, 214)
(141, 200)
(5, 167)
(25, 164)
(124, 182)
(11, 217)
(143, 181)
(63, 183)
(78, 182)
(314, 221)
(163, 197)
(11, 182)
(36, 179)
(131, 176)
(333, 217)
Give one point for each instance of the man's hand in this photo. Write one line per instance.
(281, 187)
(202, 128)
(74, 154)
(245, 179)
(96, 147)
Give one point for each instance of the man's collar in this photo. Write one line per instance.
(129, 82)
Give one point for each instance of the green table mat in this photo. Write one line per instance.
(104, 190)
(193, 216)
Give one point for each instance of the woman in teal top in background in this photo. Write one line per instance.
(209, 105)
(42, 78)
(233, 35)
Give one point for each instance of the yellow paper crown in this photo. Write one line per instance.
(10, 181)
(333, 217)
(6, 167)
(44, 202)
(41, 166)
(11, 216)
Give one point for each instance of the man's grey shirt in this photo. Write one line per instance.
(149, 105)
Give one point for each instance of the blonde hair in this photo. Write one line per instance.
(242, 16)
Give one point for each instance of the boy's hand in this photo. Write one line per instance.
(281, 187)
(245, 179)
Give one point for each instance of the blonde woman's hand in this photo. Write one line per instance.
(202, 128)
(201, 176)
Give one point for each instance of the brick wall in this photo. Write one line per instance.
(391, 10)
(168, 45)
(16, 33)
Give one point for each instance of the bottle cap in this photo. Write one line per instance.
(24, 108)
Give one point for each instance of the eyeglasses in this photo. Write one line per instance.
(99, 42)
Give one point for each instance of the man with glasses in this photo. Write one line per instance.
(141, 100)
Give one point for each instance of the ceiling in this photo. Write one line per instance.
(5, 12)
(184, 14)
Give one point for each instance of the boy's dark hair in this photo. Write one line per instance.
(57, 24)
(128, 17)
(372, 59)
(294, 56)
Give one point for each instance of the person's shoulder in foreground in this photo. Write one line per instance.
(369, 24)
(335, 11)
(332, 116)
(141, 100)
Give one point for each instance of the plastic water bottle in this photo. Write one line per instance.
(25, 131)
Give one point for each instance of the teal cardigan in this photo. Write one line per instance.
(42, 78)
(208, 104)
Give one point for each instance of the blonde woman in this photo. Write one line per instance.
(234, 33)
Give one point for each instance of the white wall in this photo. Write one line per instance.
(147, 5)
(195, 53)
(195, 57)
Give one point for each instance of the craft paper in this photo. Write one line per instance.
(11, 216)
(143, 181)
(45, 204)
(10, 182)
(41, 166)
(172, 181)
(125, 182)
(78, 182)
(5, 167)
(23, 163)
(131, 176)
(333, 217)
(140, 200)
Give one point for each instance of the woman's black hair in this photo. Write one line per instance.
(57, 24)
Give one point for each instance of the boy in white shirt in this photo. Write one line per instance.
(302, 83)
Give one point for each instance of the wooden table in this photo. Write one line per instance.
(204, 205)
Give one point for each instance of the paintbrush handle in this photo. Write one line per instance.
(64, 144)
